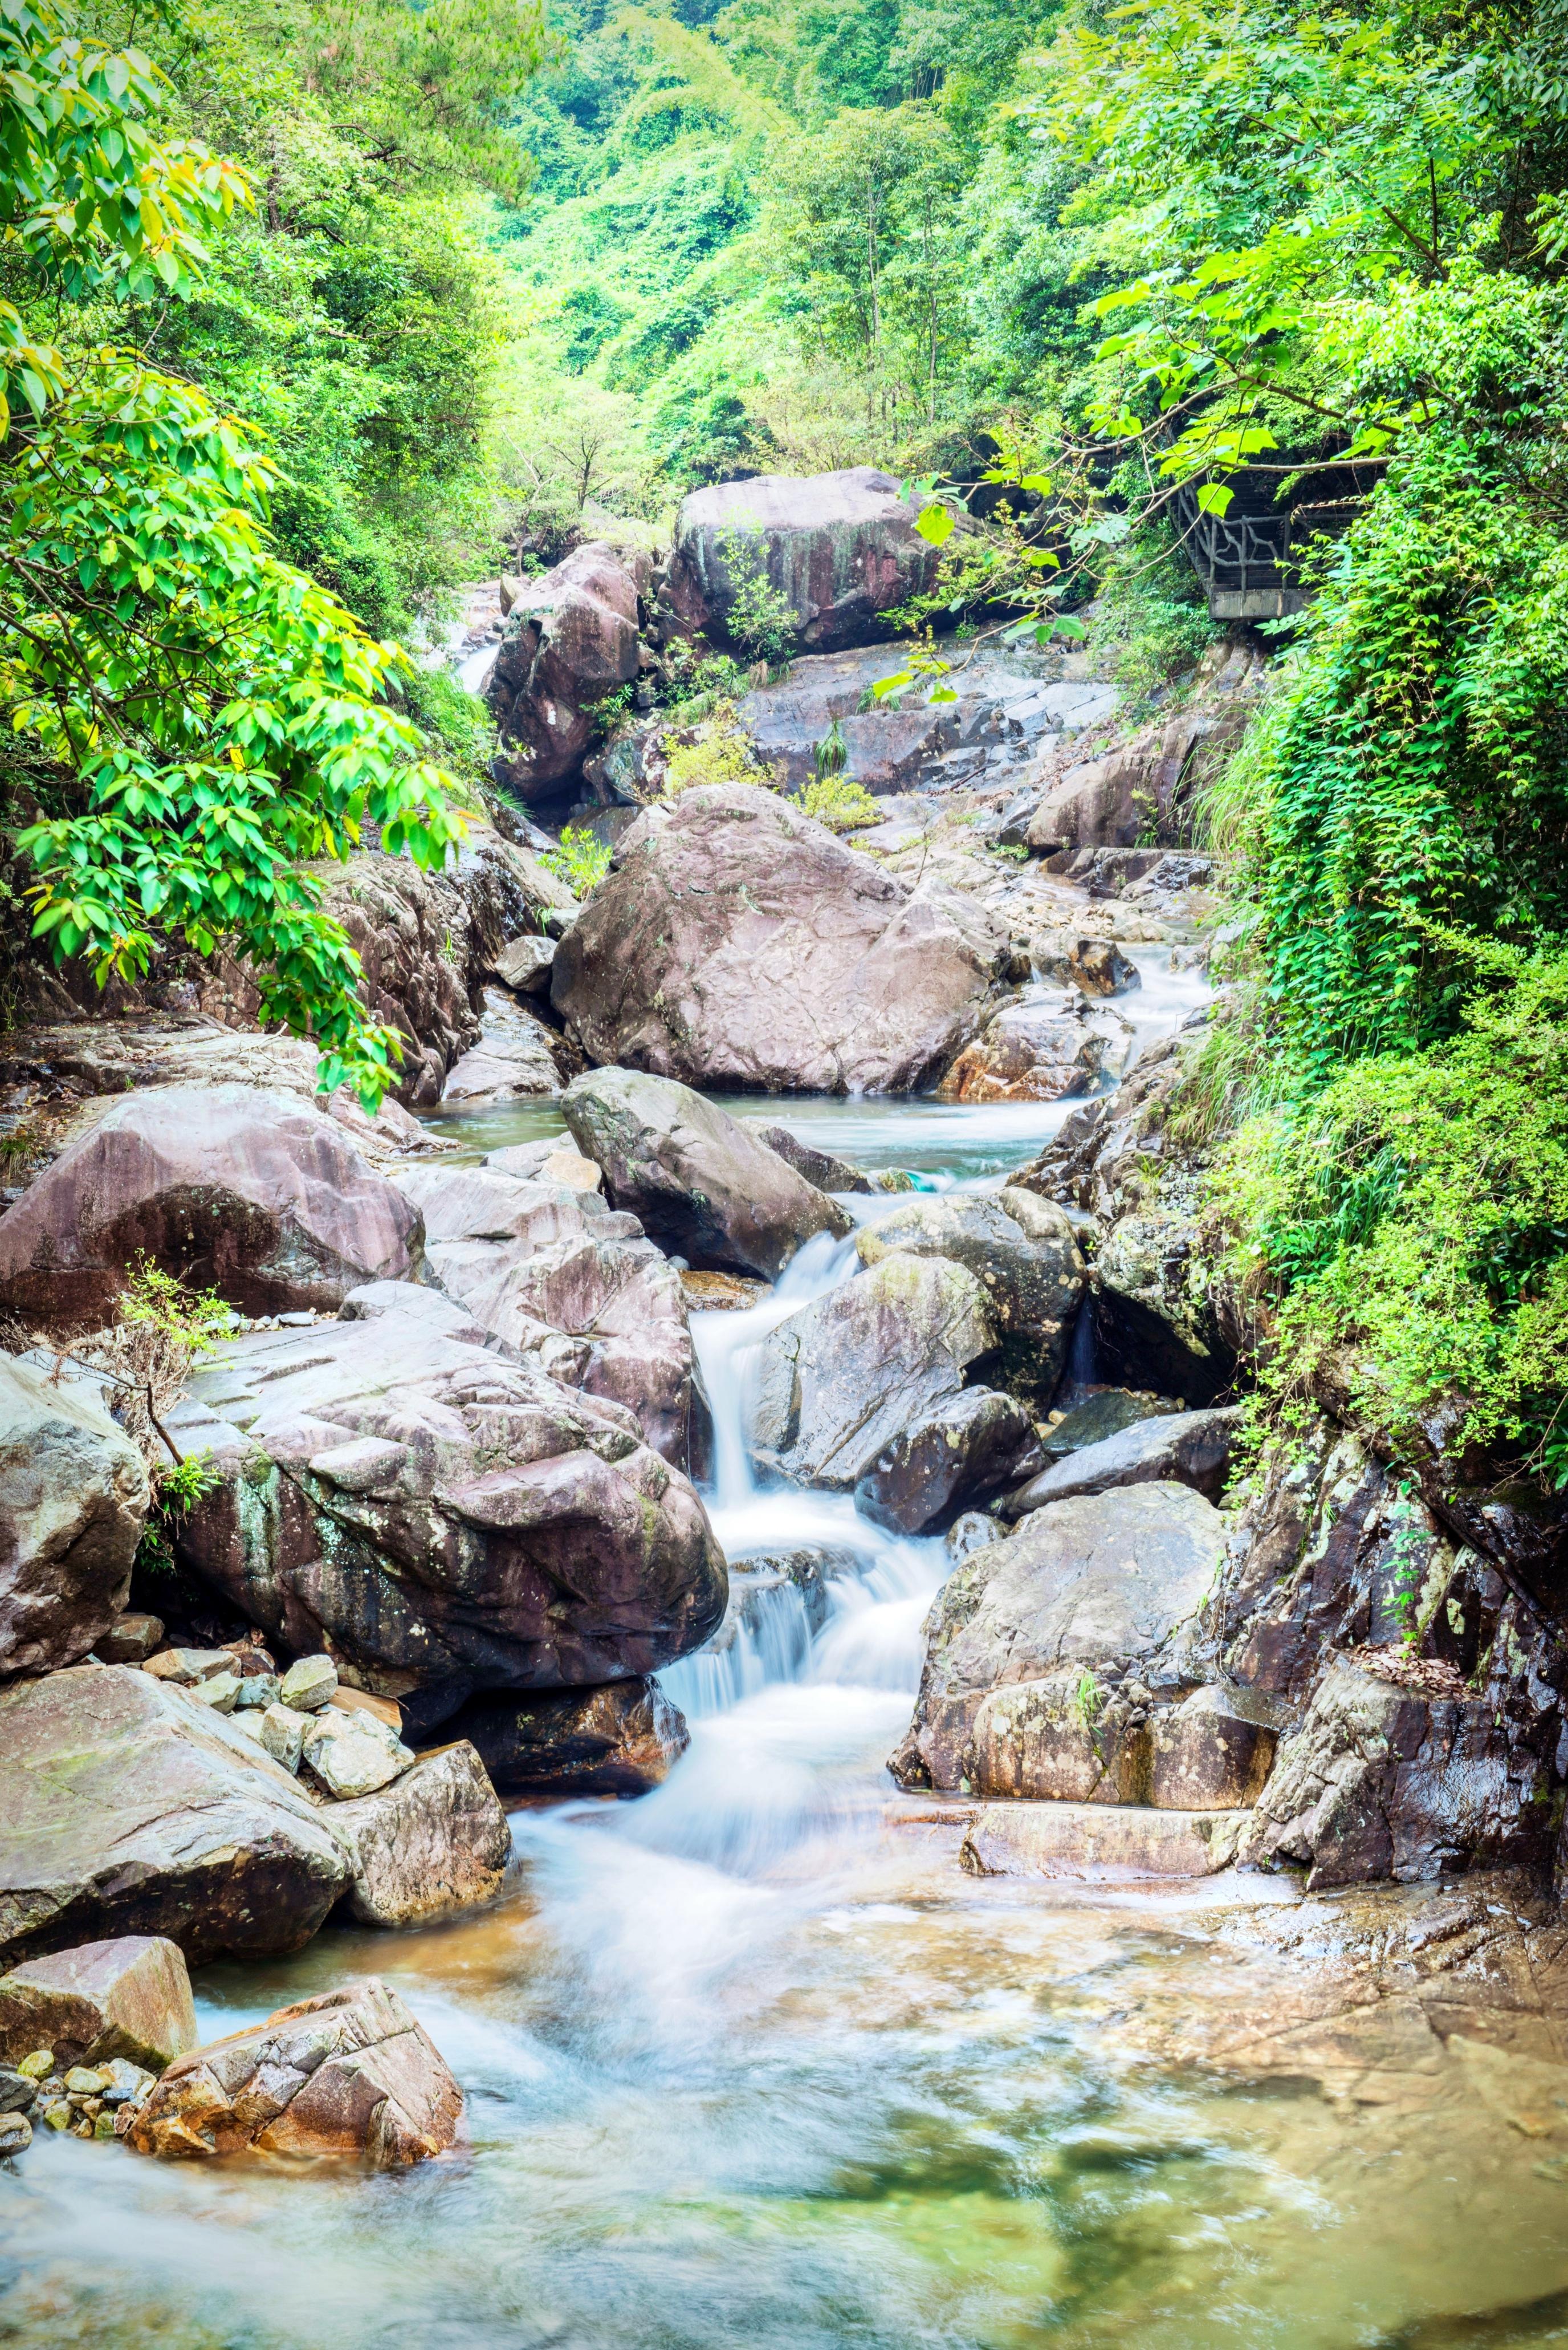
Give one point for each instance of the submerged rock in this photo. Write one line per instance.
(441, 1519)
(1099, 1843)
(699, 1181)
(842, 1379)
(252, 1193)
(74, 1497)
(128, 1998)
(131, 1810)
(1022, 1250)
(736, 944)
(350, 2073)
(622, 1739)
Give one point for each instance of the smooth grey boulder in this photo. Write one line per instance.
(1381, 1781)
(1099, 1844)
(963, 1450)
(841, 549)
(1024, 1254)
(515, 1058)
(130, 1809)
(74, 1496)
(253, 1193)
(1101, 1585)
(441, 1520)
(837, 1382)
(524, 964)
(1102, 1415)
(699, 1182)
(736, 944)
(566, 1282)
(433, 1843)
(623, 1739)
(1183, 1448)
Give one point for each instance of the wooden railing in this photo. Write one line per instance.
(1244, 560)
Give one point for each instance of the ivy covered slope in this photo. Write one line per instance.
(1349, 244)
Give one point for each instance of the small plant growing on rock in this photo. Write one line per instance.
(716, 751)
(581, 861)
(840, 803)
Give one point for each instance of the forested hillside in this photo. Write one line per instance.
(458, 271)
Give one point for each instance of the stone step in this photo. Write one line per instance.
(1098, 1843)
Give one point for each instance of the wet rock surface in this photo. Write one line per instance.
(1184, 1448)
(737, 944)
(132, 1810)
(347, 2074)
(441, 1518)
(249, 1192)
(844, 1377)
(517, 1055)
(74, 1496)
(699, 1183)
(957, 1455)
(622, 1739)
(1098, 1844)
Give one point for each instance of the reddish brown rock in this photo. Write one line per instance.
(74, 1497)
(621, 1740)
(433, 1843)
(571, 638)
(248, 1192)
(130, 1997)
(736, 944)
(349, 2074)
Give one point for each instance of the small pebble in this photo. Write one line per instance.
(309, 1683)
(38, 2066)
(84, 2081)
(104, 2127)
(59, 2116)
(15, 2134)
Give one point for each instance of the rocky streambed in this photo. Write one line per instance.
(782, 2053)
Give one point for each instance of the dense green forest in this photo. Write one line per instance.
(310, 309)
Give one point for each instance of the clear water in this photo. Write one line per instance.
(753, 2063)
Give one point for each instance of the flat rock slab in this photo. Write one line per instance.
(1182, 1448)
(347, 2074)
(128, 1998)
(1099, 1843)
(434, 1843)
(130, 1809)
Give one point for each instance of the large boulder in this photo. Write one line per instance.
(128, 1998)
(565, 1282)
(836, 1383)
(1036, 1052)
(1388, 1781)
(435, 1842)
(699, 1181)
(131, 1808)
(1104, 1586)
(621, 1740)
(515, 1058)
(350, 2073)
(1182, 1448)
(249, 1192)
(1024, 1254)
(570, 640)
(440, 1519)
(74, 1496)
(955, 1457)
(737, 943)
(838, 549)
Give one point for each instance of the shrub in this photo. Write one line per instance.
(581, 860)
